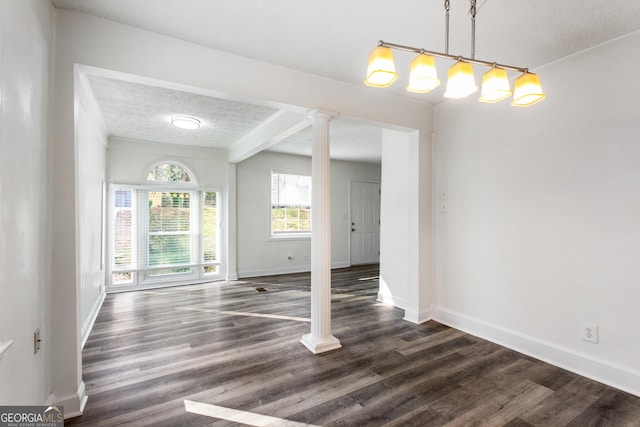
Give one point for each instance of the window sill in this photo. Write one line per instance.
(281, 237)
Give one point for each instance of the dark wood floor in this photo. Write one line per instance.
(204, 354)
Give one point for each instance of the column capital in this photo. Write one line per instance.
(320, 113)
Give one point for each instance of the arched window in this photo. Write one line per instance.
(170, 172)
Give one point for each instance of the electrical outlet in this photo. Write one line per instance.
(590, 332)
(36, 341)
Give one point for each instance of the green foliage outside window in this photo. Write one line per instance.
(290, 219)
(172, 242)
(169, 229)
(210, 232)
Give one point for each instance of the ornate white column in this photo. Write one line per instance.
(320, 338)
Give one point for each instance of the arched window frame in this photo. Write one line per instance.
(192, 183)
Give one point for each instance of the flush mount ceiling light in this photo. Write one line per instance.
(381, 71)
(185, 122)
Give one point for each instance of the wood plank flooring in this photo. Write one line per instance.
(225, 354)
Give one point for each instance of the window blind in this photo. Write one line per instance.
(290, 203)
(161, 232)
(171, 230)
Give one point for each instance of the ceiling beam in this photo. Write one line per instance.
(282, 124)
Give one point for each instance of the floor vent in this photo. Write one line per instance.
(261, 290)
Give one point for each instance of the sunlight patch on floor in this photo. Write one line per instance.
(245, 313)
(369, 278)
(237, 416)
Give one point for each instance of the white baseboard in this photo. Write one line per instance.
(305, 268)
(619, 377)
(418, 317)
(73, 403)
(274, 271)
(391, 300)
(160, 285)
(91, 319)
(231, 277)
(340, 264)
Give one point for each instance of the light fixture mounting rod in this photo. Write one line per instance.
(452, 57)
(447, 6)
(472, 11)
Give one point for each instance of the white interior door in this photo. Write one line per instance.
(365, 222)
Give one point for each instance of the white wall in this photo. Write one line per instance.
(258, 254)
(406, 271)
(542, 229)
(26, 34)
(91, 132)
(128, 161)
(421, 275)
(394, 217)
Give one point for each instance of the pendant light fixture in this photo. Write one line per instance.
(381, 72)
(461, 82)
(527, 90)
(423, 76)
(382, 69)
(495, 85)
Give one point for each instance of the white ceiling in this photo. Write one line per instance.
(139, 111)
(333, 38)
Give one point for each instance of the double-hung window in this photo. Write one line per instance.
(164, 231)
(290, 204)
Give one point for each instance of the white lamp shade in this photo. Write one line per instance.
(381, 71)
(527, 90)
(423, 76)
(461, 82)
(495, 85)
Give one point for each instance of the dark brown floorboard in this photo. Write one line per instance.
(150, 351)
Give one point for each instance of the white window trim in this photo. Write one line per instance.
(296, 235)
(198, 275)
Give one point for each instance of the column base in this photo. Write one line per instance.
(317, 345)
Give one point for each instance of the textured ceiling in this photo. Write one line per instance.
(333, 38)
(351, 139)
(138, 111)
(143, 112)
